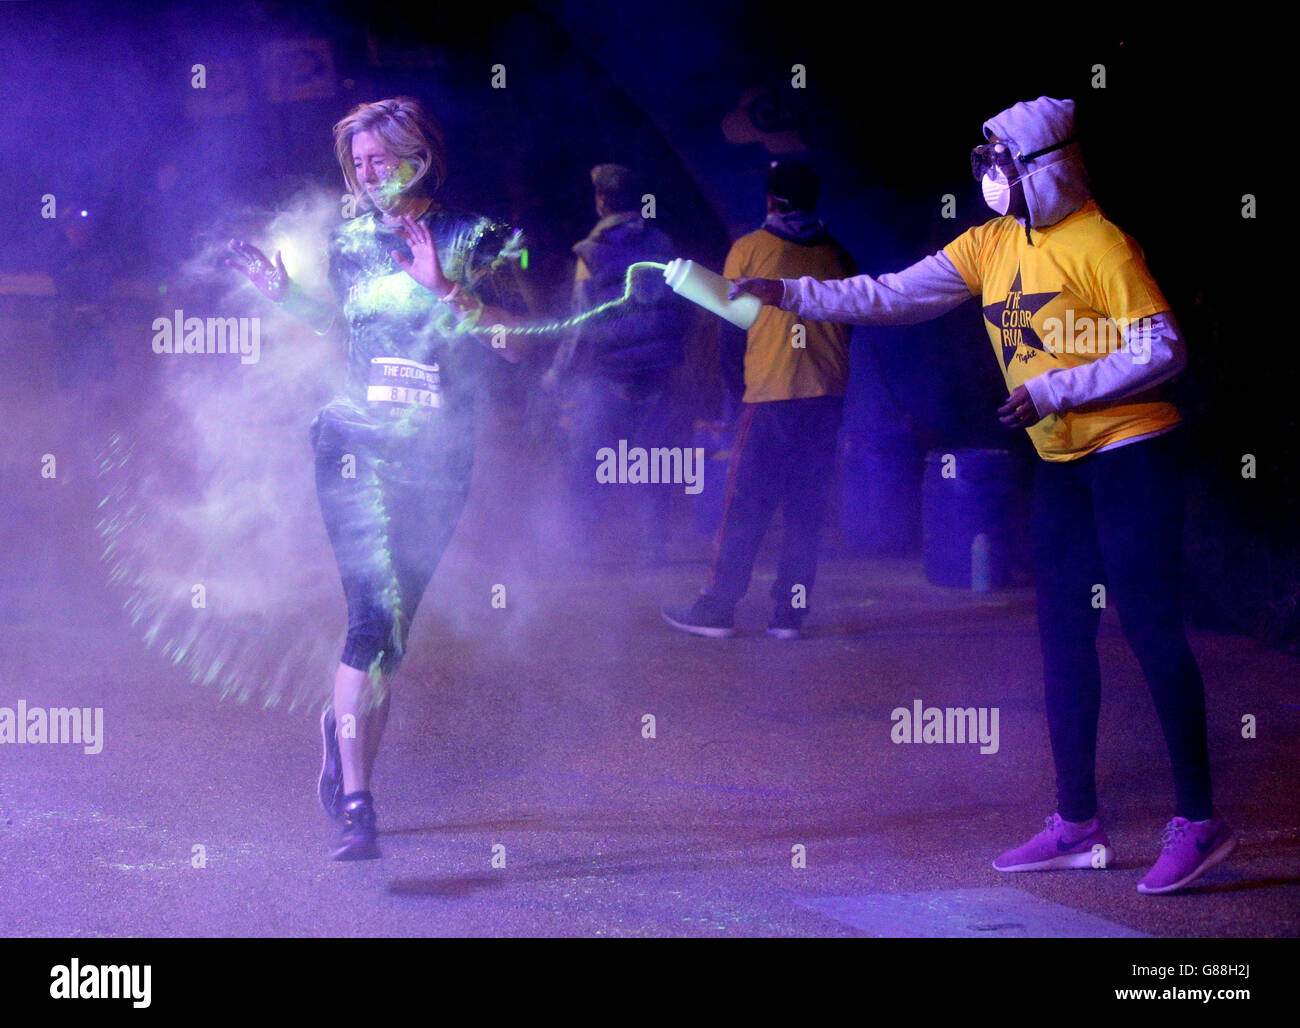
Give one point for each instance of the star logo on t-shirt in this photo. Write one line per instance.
(1011, 317)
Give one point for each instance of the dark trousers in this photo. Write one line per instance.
(1116, 518)
(783, 456)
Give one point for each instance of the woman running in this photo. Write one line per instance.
(419, 286)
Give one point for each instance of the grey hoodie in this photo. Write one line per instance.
(1056, 184)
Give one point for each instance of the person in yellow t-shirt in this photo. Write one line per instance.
(1086, 342)
(796, 371)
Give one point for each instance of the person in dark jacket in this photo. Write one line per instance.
(614, 370)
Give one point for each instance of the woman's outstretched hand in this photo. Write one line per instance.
(423, 266)
(769, 290)
(271, 280)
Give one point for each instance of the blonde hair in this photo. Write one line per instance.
(407, 130)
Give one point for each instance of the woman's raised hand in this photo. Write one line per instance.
(423, 266)
(271, 280)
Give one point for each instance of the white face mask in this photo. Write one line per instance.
(997, 192)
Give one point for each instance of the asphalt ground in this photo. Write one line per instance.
(517, 794)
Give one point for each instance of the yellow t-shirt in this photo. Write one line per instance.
(1059, 304)
(775, 368)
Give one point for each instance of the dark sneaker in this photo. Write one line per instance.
(706, 616)
(1190, 848)
(1061, 845)
(786, 623)
(360, 839)
(330, 786)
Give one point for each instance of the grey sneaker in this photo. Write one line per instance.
(786, 623)
(707, 616)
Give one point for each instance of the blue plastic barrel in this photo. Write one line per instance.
(966, 493)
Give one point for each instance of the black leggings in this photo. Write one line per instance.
(389, 521)
(1116, 518)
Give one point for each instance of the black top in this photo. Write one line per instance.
(412, 378)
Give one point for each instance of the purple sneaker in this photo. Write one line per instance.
(1059, 846)
(1190, 849)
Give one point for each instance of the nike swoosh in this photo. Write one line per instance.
(1062, 846)
(1209, 843)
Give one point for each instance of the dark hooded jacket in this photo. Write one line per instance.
(645, 335)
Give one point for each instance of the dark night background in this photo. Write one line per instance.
(99, 105)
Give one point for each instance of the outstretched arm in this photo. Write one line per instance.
(273, 282)
(926, 290)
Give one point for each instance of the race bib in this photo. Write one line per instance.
(398, 380)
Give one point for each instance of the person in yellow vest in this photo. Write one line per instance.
(1085, 341)
(795, 372)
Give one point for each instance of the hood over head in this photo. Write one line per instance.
(1055, 183)
(801, 227)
